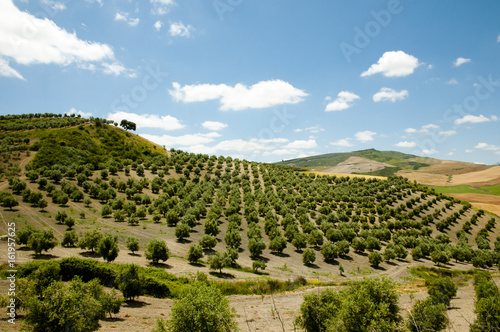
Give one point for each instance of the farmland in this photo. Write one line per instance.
(262, 221)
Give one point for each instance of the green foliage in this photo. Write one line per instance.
(24, 233)
(108, 247)
(208, 241)
(156, 250)
(256, 246)
(219, 260)
(70, 239)
(195, 253)
(375, 258)
(427, 316)
(367, 305)
(487, 306)
(90, 240)
(42, 241)
(202, 308)
(132, 244)
(182, 231)
(129, 282)
(66, 307)
(258, 265)
(308, 256)
(442, 290)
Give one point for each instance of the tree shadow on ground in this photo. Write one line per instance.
(135, 304)
(114, 319)
(379, 268)
(222, 275)
(312, 266)
(43, 256)
(197, 264)
(134, 254)
(160, 265)
(183, 241)
(279, 254)
(89, 254)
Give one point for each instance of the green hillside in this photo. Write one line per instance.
(398, 159)
(89, 199)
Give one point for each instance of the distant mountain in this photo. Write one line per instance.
(370, 161)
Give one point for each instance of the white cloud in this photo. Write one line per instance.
(183, 140)
(114, 68)
(475, 119)
(406, 144)
(343, 101)
(487, 147)
(161, 7)
(393, 64)
(302, 144)
(460, 61)
(498, 39)
(431, 151)
(79, 112)
(345, 142)
(29, 40)
(7, 71)
(125, 18)
(180, 30)
(94, 1)
(410, 130)
(165, 122)
(428, 127)
(447, 133)
(452, 82)
(388, 94)
(214, 125)
(260, 95)
(312, 129)
(158, 25)
(365, 136)
(54, 5)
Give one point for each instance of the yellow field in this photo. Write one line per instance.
(348, 175)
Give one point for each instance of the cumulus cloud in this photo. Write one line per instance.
(345, 142)
(406, 144)
(365, 136)
(447, 133)
(475, 119)
(125, 18)
(498, 39)
(344, 101)
(312, 129)
(452, 82)
(388, 94)
(54, 5)
(429, 152)
(79, 112)
(393, 64)
(213, 125)
(46, 43)
(302, 144)
(158, 25)
(460, 61)
(410, 130)
(240, 97)
(183, 140)
(487, 147)
(165, 122)
(161, 7)
(178, 29)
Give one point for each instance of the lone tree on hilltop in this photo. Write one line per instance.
(128, 125)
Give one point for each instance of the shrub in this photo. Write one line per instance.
(108, 247)
(442, 290)
(195, 253)
(258, 265)
(308, 256)
(208, 241)
(427, 316)
(202, 307)
(70, 239)
(375, 258)
(219, 260)
(132, 244)
(42, 241)
(156, 250)
(129, 282)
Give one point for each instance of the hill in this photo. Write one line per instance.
(120, 184)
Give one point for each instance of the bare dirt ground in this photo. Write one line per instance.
(358, 165)
(486, 202)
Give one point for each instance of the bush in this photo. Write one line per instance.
(208, 241)
(90, 240)
(108, 247)
(329, 252)
(256, 247)
(442, 290)
(219, 260)
(375, 258)
(154, 287)
(195, 253)
(70, 239)
(129, 282)
(202, 307)
(258, 265)
(42, 241)
(427, 316)
(182, 231)
(132, 244)
(87, 269)
(308, 256)
(156, 250)
(367, 305)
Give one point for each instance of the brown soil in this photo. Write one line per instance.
(358, 165)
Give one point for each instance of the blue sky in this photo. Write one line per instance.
(265, 81)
